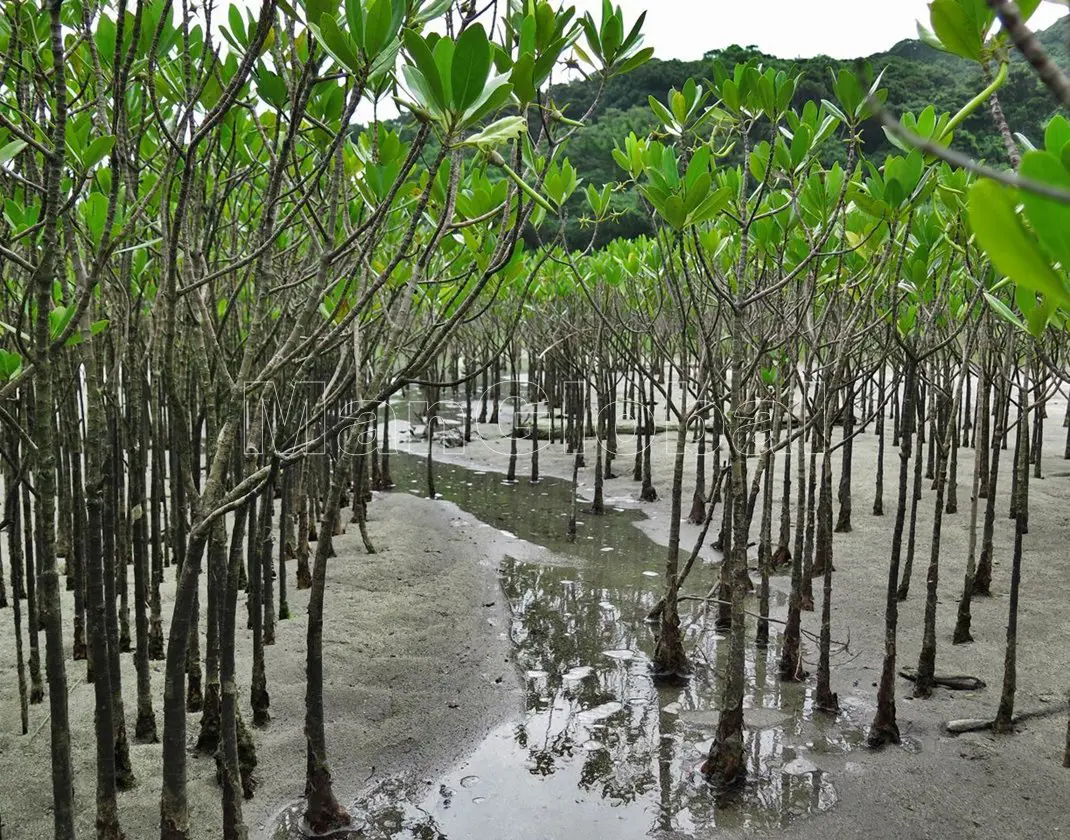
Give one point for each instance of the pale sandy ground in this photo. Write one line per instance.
(417, 671)
(970, 786)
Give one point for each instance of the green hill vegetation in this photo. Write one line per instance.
(915, 76)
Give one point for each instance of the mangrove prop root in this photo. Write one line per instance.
(955, 682)
(957, 727)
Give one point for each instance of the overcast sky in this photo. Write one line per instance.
(786, 28)
(687, 29)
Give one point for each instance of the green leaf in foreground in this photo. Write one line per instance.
(1012, 249)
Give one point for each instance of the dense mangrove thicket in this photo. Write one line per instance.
(215, 282)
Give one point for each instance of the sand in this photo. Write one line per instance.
(418, 670)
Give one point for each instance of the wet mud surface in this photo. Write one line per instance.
(600, 750)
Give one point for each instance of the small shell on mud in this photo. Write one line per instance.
(799, 767)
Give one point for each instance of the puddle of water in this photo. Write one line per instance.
(600, 750)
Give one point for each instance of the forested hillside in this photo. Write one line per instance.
(915, 76)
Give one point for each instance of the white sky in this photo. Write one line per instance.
(687, 29)
(786, 28)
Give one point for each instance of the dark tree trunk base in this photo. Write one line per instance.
(882, 733)
(670, 665)
(698, 510)
(962, 634)
(246, 758)
(725, 766)
(145, 728)
(194, 694)
(324, 813)
(211, 721)
(124, 772)
(108, 824)
(781, 558)
(304, 573)
(156, 648)
(261, 702)
(170, 831)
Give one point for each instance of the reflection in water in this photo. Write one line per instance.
(601, 751)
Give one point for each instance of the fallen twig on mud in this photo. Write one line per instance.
(709, 599)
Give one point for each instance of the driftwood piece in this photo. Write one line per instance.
(955, 682)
